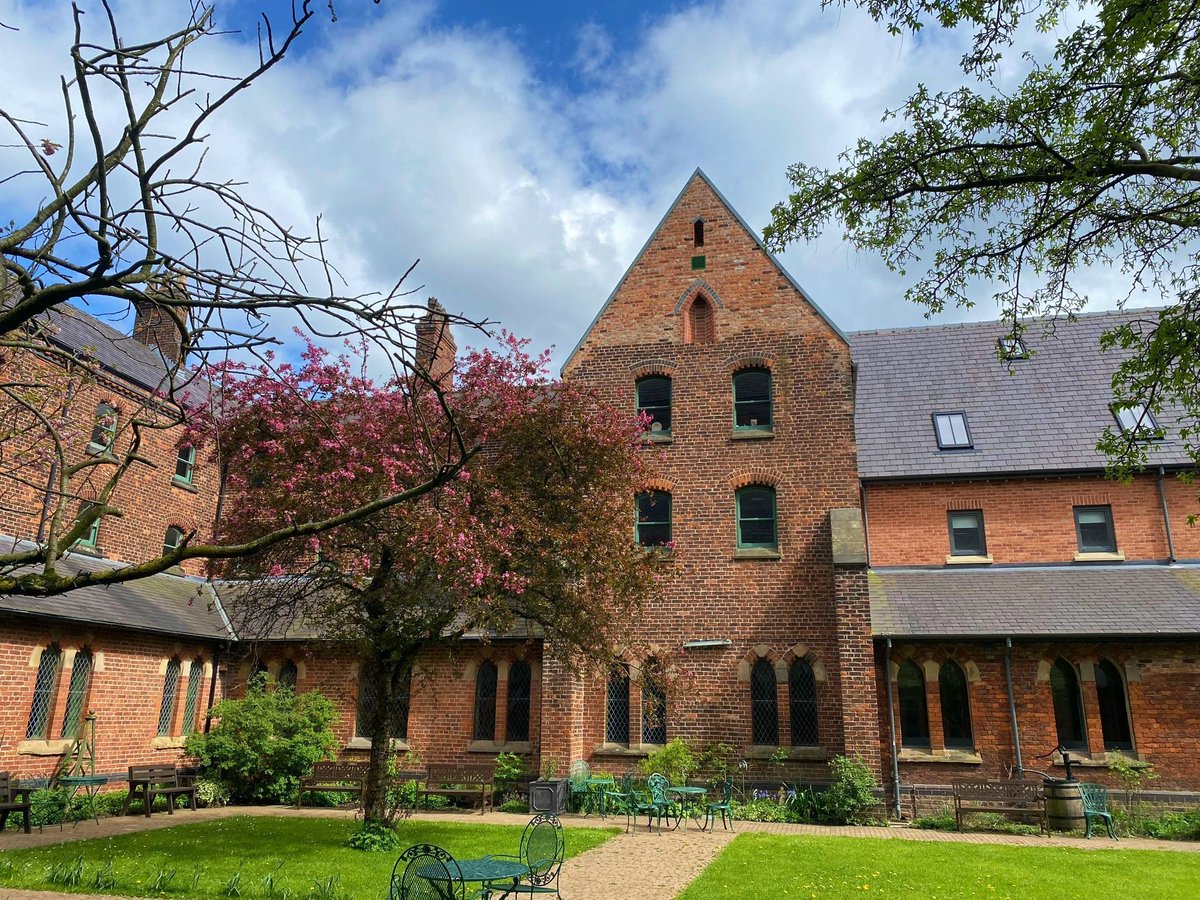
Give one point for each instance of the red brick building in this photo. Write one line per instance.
(992, 545)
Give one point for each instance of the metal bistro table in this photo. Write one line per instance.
(691, 801)
(597, 785)
(485, 871)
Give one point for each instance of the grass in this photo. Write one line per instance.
(251, 857)
(762, 865)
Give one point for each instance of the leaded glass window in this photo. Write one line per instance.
(191, 703)
(485, 702)
(520, 682)
(398, 715)
(764, 707)
(1114, 709)
(288, 673)
(802, 696)
(752, 399)
(914, 708)
(654, 706)
(368, 700)
(1068, 706)
(77, 692)
(616, 705)
(654, 401)
(756, 518)
(45, 687)
(956, 706)
(166, 712)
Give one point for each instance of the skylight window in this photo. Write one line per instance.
(1137, 420)
(1012, 347)
(951, 430)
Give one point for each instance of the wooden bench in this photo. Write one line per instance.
(13, 799)
(159, 781)
(1025, 797)
(340, 777)
(466, 781)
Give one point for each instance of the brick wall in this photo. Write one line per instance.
(771, 607)
(126, 692)
(1162, 681)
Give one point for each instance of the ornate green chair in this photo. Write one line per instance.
(426, 872)
(620, 799)
(656, 805)
(1095, 806)
(543, 848)
(577, 784)
(722, 805)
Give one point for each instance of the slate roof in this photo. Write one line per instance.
(164, 604)
(1047, 415)
(1063, 601)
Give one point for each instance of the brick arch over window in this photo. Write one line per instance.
(735, 364)
(697, 287)
(644, 368)
(757, 476)
(700, 321)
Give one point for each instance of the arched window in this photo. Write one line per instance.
(77, 693)
(764, 708)
(166, 712)
(257, 679)
(654, 705)
(956, 706)
(191, 703)
(288, 673)
(368, 700)
(802, 696)
(616, 705)
(172, 539)
(914, 708)
(653, 518)
(520, 683)
(90, 537)
(756, 517)
(701, 322)
(1068, 706)
(45, 689)
(401, 701)
(485, 702)
(1114, 707)
(698, 233)
(752, 399)
(654, 401)
(104, 429)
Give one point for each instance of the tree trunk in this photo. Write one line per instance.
(378, 676)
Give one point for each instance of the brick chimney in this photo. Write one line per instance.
(158, 324)
(435, 345)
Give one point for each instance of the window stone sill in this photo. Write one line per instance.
(167, 743)
(362, 743)
(1100, 557)
(752, 434)
(960, 757)
(619, 750)
(657, 437)
(1092, 760)
(184, 485)
(799, 753)
(499, 747)
(756, 553)
(44, 748)
(101, 451)
(952, 560)
(84, 550)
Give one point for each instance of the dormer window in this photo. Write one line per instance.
(1012, 347)
(1137, 420)
(951, 430)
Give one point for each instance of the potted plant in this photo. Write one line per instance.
(548, 794)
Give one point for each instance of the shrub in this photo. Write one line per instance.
(264, 742)
(375, 837)
(764, 809)
(850, 799)
(1171, 826)
(508, 768)
(514, 805)
(942, 821)
(210, 792)
(674, 760)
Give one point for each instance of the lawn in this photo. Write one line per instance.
(761, 865)
(252, 857)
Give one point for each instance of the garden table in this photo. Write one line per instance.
(90, 785)
(597, 788)
(690, 799)
(485, 871)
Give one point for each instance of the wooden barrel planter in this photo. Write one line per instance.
(1064, 806)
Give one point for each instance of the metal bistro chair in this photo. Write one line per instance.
(1095, 806)
(543, 848)
(426, 872)
(723, 805)
(656, 805)
(577, 780)
(621, 799)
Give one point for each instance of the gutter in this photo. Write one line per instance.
(887, 668)
(1162, 496)
(1012, 707)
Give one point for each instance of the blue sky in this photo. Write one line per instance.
(524, 151)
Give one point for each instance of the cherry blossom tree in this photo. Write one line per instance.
(533, 533)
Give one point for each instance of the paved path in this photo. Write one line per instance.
(642, 866)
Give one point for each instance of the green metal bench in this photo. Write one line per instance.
(1095, 806)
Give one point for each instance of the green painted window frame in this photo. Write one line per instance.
(92, 536)
(168, 547)
(658, 498)
(107, 434)
(649, 408)
(741, 404)
(773, 518)
(187, 460)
